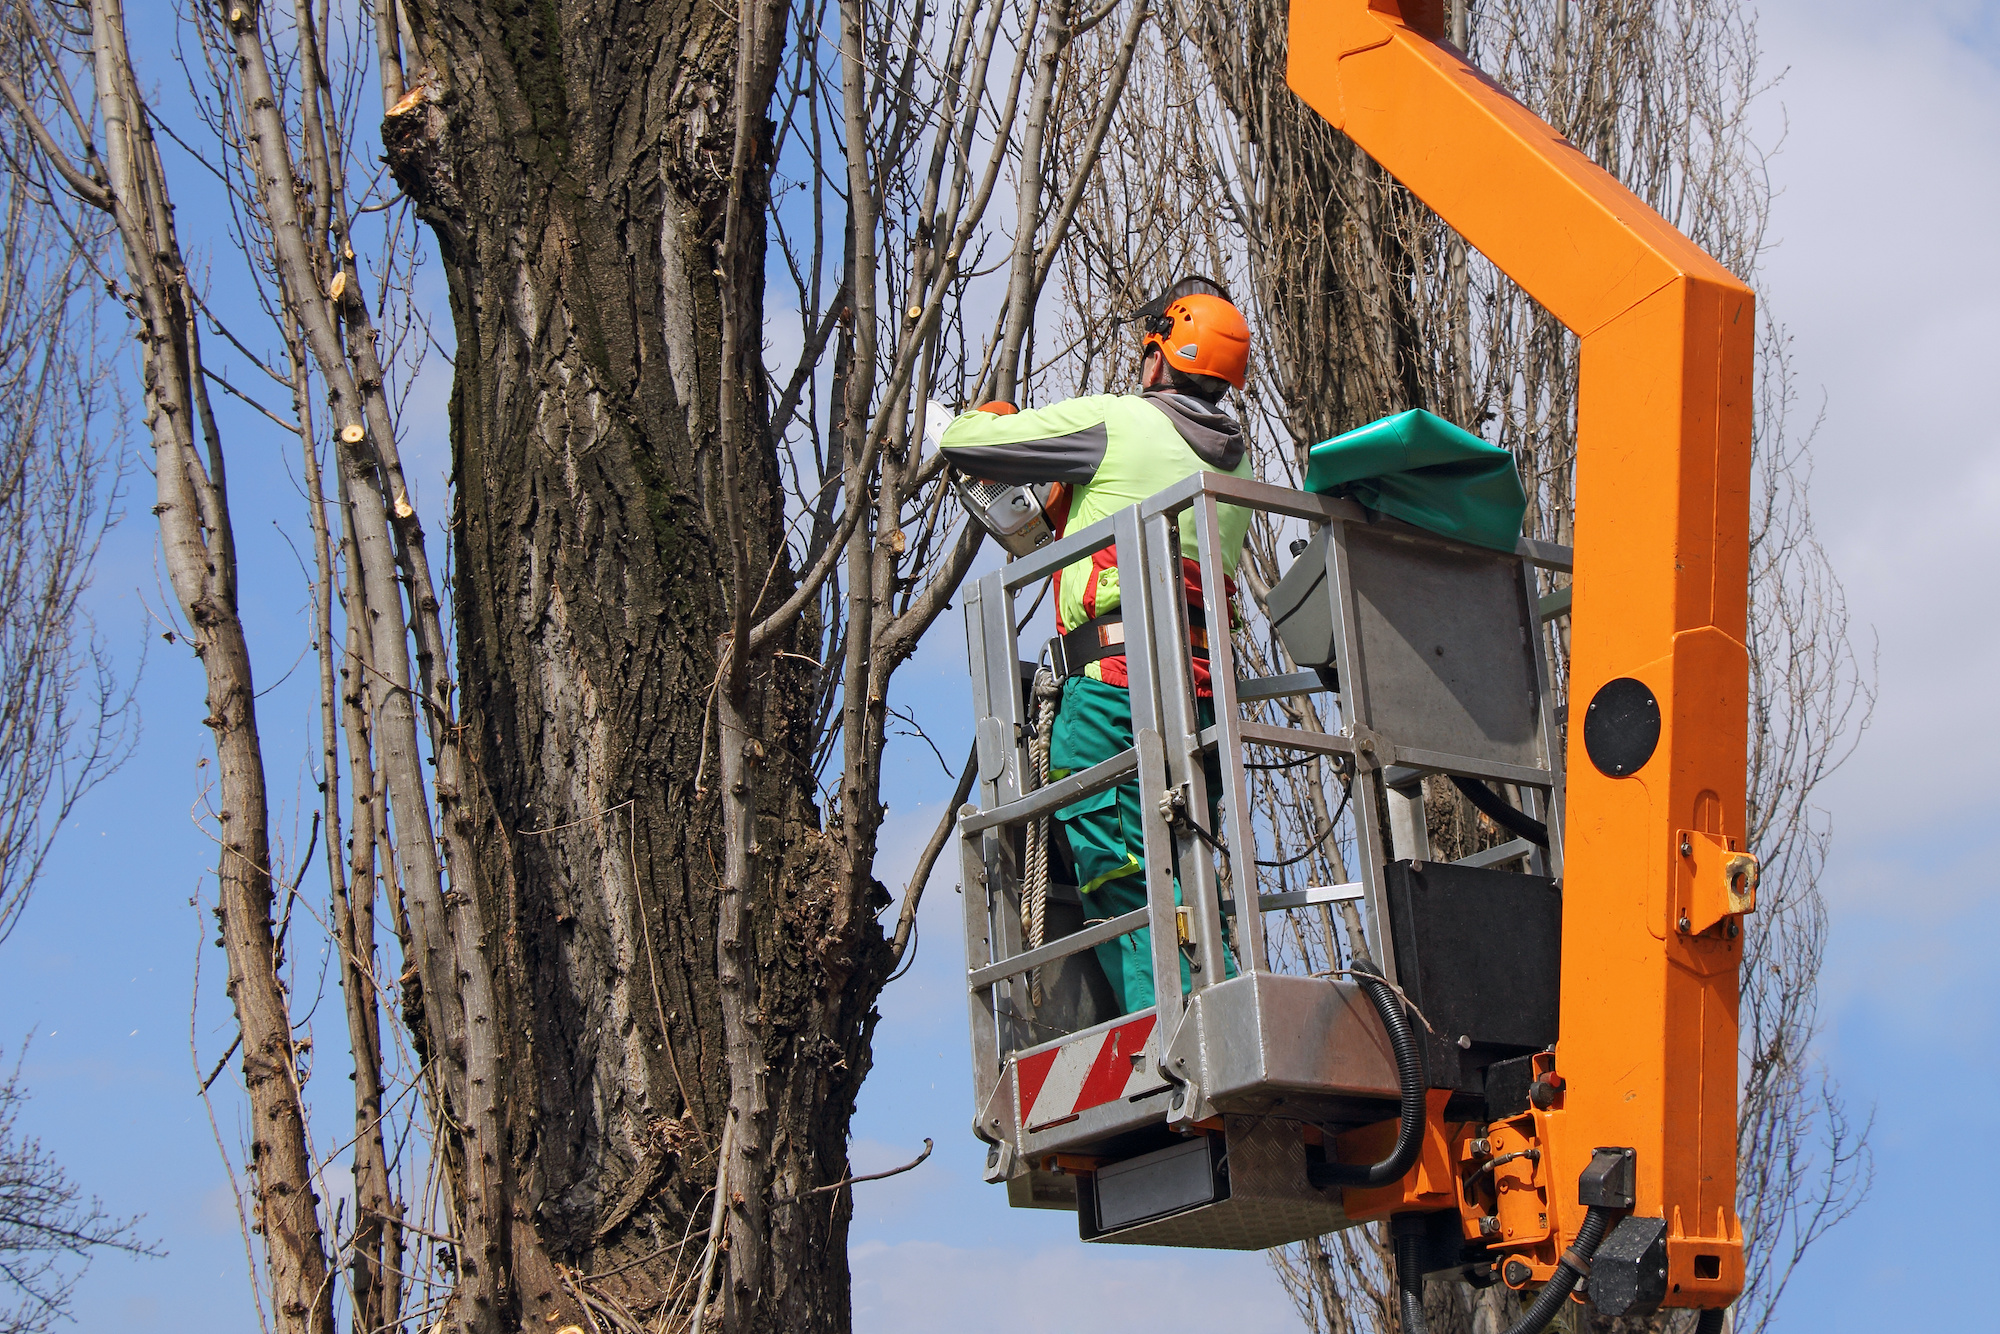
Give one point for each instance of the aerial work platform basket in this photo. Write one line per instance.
(1204, 1119)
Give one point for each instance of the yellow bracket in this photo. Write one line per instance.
(1715, 881)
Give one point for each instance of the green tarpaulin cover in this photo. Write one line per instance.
(1423, 470)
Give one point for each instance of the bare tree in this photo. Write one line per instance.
(64, 721)
(1806, 1164)
(623, 830)
(47, 1232)
(125, 181)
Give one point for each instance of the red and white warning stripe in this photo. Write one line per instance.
(1054, 1085)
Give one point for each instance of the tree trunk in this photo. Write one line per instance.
(575, 171)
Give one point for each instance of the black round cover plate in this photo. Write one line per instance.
(1621, 729)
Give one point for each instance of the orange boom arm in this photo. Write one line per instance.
(1651, 939)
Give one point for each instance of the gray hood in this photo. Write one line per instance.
(1212, 434)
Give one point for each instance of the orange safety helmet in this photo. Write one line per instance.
(1198, 331)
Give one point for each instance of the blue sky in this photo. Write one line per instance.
(1890, 184)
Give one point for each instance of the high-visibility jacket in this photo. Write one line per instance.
(1114, 451)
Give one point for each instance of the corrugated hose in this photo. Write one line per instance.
(1411, 1083)
(1408, 1232)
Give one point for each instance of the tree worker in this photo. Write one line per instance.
(1113, 451)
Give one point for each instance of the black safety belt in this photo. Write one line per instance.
(1103, 637)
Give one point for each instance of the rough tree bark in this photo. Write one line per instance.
(575, 161)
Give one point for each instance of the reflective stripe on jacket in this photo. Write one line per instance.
(1115, 451)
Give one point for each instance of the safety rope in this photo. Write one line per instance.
(1035, 894)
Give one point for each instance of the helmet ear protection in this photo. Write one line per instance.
(1210, 335)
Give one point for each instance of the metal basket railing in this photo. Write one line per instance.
(1391, 735)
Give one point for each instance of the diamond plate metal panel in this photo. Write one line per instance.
(1270, 1201)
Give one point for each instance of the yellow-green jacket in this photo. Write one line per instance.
(1114, 451)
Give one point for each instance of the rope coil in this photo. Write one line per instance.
(1035, 890)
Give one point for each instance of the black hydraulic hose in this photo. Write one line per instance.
(1409, 1239)
(1711, 1320)
(1495, 808)
(1409, 1079)
(1409, 1244)
(1563, 1282)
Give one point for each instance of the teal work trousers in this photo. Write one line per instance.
(1106, 836)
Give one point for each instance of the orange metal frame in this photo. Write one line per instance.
(1651, 939)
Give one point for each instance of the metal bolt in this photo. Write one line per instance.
(1687, 848)
(1684, 924)
(1489, 1227)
